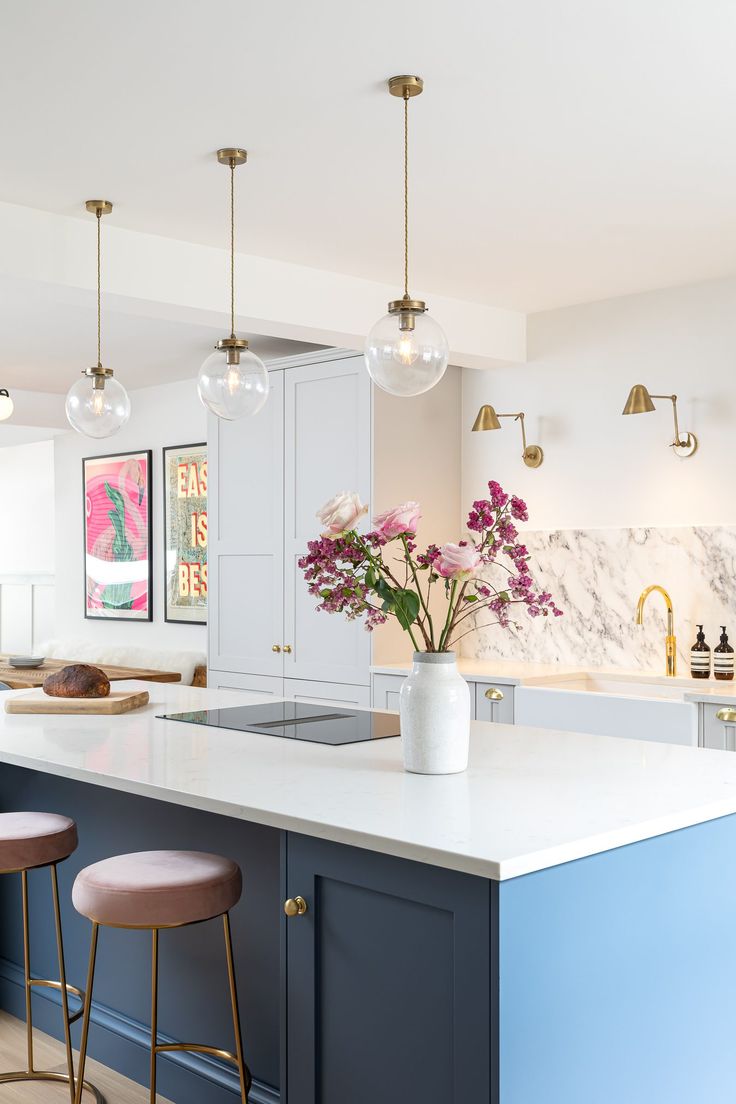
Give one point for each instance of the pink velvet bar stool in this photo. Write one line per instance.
(31, 841)
(152, 890)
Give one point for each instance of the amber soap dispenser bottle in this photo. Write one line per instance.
(700, 656)
(723, 657)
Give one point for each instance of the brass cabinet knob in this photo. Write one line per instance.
(276, 648)
(728, 716)
(287, 649)
(295, 906)
(493, 694)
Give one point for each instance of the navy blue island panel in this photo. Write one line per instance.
(608, 980)
(618, 975)
(193, 992)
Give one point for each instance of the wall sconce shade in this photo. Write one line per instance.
(487, 418)
(640, 402)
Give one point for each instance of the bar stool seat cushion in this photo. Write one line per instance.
(35, 839)
(152, 889)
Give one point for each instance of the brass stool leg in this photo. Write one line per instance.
(62, 979)
(27, 969)
(87, 1010)
(244, 1086)
(154, 1011)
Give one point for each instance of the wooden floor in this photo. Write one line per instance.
(50, 1055)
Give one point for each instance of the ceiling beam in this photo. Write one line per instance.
(167, 278)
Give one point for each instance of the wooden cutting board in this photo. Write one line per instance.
(37, 702)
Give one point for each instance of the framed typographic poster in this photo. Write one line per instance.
(117, 536)
(185, 533)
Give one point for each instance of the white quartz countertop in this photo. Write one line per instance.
(509, 671)
(531, 799)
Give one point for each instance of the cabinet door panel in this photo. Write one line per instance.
(388, 980)
(246, 539)
(716, 733)
(386, 691)
(487, 709)
(327, 449)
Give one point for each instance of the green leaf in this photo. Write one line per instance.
(471, 598)
(406, 607)
(325, 593)
(371, 577)
(504, 596)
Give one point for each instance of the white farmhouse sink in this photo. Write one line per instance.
(611, 705)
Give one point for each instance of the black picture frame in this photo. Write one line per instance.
(166, 450)
(131, 616)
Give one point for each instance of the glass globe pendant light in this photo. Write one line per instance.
(97, 405)
(406, 351)
(233, 383)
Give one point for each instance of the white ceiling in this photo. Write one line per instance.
(47, 338)
(563, 150)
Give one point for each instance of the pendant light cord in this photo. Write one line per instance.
(99, 295)
(232, 248)
(406, 194)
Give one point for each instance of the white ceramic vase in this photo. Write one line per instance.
(434, 705)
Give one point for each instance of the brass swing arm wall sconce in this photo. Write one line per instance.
(640, 402)
(487, 418)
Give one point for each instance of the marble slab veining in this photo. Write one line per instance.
(596, 576)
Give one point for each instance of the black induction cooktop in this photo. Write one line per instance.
(317, 724)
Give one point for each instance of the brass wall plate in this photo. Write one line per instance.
(232, 155)
(405, 86)
(686, 446)
(533, 456)
(99, 206)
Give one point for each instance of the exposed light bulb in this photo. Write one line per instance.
(98, 402)
(232, 379)
(233, 391)
(404, 351)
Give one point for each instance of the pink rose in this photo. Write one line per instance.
(401, 519)
(458, 561)
(341, 513)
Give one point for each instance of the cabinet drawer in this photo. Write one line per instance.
(264, 686)
(490, 707)
(305, 690)
(386, 693)
(716, 731)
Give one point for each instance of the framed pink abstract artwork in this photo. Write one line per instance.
(118, 563)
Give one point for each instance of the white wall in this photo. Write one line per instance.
(27, 509)
(166, 415)
(601, 469)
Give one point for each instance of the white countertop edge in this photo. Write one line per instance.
(505, 870)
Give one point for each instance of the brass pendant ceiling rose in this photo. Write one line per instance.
(405, 86)
(232, 347)
(232, 156)
(398, 306)
(98, 207)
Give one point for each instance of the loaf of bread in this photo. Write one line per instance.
(78, 680)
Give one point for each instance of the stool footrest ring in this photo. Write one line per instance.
(71, 990)
(48, 1075)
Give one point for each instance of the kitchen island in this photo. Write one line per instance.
(554, 926)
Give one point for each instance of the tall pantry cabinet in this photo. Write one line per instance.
(268, 475)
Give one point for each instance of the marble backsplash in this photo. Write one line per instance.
(596, 576)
